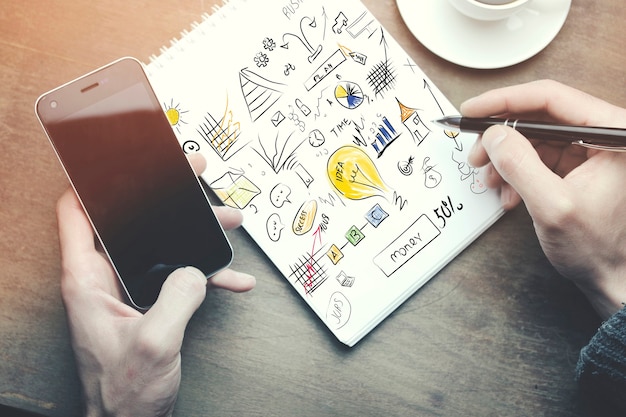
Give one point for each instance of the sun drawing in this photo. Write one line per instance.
(175, 115)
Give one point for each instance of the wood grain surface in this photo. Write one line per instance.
(496, 333)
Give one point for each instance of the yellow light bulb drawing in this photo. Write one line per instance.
(354, 174)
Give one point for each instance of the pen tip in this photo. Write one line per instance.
(448, 122)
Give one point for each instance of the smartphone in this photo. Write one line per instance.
(139, 191)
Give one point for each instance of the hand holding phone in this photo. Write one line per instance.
(116, 345)
(132, 178)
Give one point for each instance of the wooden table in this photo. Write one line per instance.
(496, 333)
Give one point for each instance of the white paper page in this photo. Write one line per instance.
(317, 125)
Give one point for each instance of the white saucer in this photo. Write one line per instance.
(481, 44)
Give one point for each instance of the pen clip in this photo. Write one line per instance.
(610, 148)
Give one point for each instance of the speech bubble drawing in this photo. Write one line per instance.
(279, 195)
(274, 227)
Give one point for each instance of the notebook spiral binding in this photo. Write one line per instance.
(198, 30)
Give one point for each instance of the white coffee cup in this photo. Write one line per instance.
(489, 9)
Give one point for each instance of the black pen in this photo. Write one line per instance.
(605, 138)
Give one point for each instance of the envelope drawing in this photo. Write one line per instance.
(278, 118)
(235, 190)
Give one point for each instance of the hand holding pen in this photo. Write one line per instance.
(574, 194)
(593, 137)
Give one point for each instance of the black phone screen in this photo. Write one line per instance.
(135, 183)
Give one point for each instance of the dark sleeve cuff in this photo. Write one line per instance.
(601, 369)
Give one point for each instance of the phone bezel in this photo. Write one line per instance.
(115, 74)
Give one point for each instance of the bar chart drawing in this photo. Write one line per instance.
(384, 135)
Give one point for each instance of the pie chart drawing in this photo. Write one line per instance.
(349, 95)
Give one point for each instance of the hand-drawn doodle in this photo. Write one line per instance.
(406, 167)
(302, 107)
(349, 94)
(190, 146)
(309, 272)
(312, 266)
(259, 93)
(261, 59)
(281, 154)
(471, 173)
(430, 90)
(322, 153)
(324, 223)
(339, 311)
(325, 17)
(316, 138)
(357, 57)
(385, 135)
(415, 238)
(235, 190)
(376, 215)
(477, 186)
(332, 198)
(274, 227)
(269, 44)
(327, 67)
(446, 210)
(454, 135)
(175, 115)
(354, 174)
(280, 195)
(334, 254)
(341, 22)
(361, 24)
(303, 174)
(288, 69)
(318, 112)
(357, 137)
(277, 118)
(432, 178)
(293, 116)
(382, 76)
(398, 200)
(413, 122)
(344, 280)
(305, 217)
(411, 64)
(340, 126)
(290, 8)
(313, 52)
(223, 135)
(355, 235)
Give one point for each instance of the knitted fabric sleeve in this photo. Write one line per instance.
(601, 369)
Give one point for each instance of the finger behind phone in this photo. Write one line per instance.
(198, 163)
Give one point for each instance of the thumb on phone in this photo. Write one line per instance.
(181, 295)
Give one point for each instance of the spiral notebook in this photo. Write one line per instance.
(317, 125)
